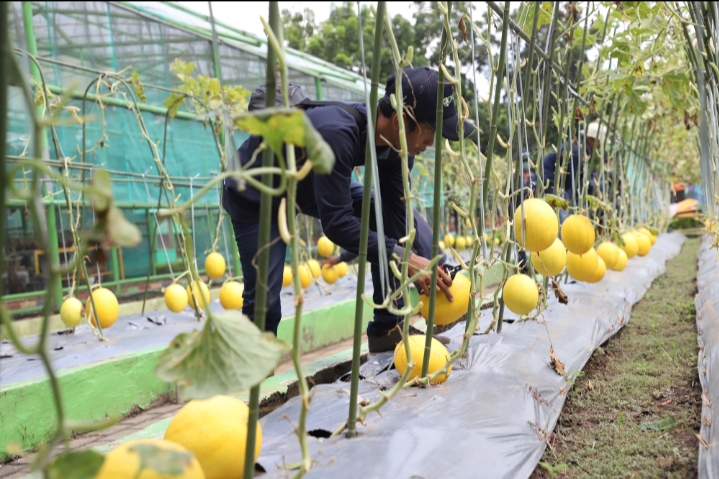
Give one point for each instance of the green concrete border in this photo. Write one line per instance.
(113, 386)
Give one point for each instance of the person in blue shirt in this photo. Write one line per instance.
(338, 205)
(576, 166)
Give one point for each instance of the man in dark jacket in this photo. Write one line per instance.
(330, 198)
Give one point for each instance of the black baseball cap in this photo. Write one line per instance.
(419, 88)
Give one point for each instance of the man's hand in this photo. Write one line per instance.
(417, 263)
(330, 261)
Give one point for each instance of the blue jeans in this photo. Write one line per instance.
(246, 235)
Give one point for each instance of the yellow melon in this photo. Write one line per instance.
(325, 247)
(449, 239)
(630, 245)
(582, 267)
(444, 311)
(609, 252)
(176, 298)
(578, 234)
(621, 262)
(643, 244)
(540, 225)
(330, 274)
(71, 312)
(286, 276)
(599, 272)
(201, 294)
(215, 265)
(520, 294)
(215, 431)
(125, 461)
(231, 295)
(438, 357)
(108, 309)
(551, 261)
(341, 269)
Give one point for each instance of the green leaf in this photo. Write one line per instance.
(665, 424)
(165, 462)
(229, 355)
(76, 465)
(122, 232)
(556, 201)
(101, 200)
(173, 103)
(288, 125)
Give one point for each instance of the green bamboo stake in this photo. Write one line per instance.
(263, 253)
(364, 228)
(495, 112)
(439, 116)
(53, 250)
(4, 53)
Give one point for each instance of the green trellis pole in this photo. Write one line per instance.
(51, 218)
(364, 229)
(263, 254)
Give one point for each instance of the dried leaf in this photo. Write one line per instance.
(101, 201)
(558, 293)
(122, 232)
(556, 202)
(462, 27)
(578, 115)
(554, 361)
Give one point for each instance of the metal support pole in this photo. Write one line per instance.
(318, 87)
(115, 267)
(54, 253)
(4, 53)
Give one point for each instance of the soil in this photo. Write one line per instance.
(636, 410)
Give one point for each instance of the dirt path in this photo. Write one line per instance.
(635, 411)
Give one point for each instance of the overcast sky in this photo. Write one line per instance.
(246, 15)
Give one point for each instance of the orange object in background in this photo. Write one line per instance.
(685, 209)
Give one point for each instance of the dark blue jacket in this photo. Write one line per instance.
(327, 197)
(550, 162)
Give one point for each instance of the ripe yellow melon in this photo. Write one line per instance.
(305, 275)
(175, 298)
(520, 294)
(125, 462)
(231, 295)
(609, 252)
(286, 276)
(315, 269)
(341, 269)
(71, 312)
(460, 242)
(330, 274)
(621, 262)
(643, 244)
(630, 245)
(582, 267)
(551, 261)
(325, 247)
(442, 246)
(444, 311)
(108, 309)
(468, 241)
(215, 431)
(215, 265)
(652, 238)
(438, 357)
(540, 223)
(599, 272)
(201, 294)
(449, 239)
(578, 234)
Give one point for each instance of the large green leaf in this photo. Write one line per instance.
(229, 355)
(76, 465)
(278, 126)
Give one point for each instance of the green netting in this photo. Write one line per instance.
(76, 42)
